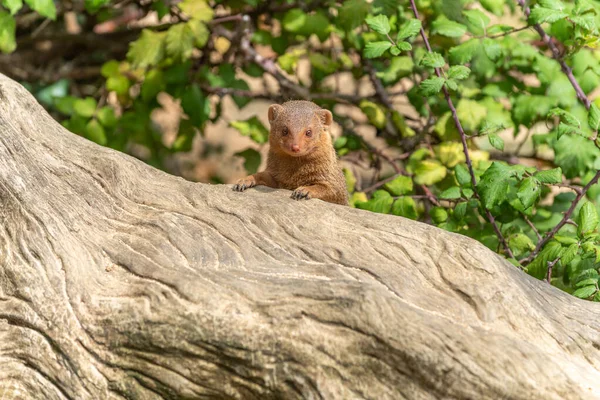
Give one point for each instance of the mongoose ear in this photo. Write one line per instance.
(274, 111)
(325, 116)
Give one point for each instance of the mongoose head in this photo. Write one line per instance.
(297, 127)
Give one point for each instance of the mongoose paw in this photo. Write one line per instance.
(301, 193)
(244, 184)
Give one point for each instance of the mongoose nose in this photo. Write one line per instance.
(295, 148)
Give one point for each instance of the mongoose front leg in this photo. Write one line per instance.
(318, 191)
(260, 178)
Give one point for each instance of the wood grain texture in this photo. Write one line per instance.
(118, 281)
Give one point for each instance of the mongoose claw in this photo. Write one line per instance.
(244, 184)
(300, 194)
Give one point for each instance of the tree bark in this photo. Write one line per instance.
(118, 281)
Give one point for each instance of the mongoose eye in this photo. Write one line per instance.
(285, 131)
(309, 133)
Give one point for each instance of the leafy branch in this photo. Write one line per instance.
(463, 137)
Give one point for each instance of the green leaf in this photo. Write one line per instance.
(404, 46)
(565, 239)
(107, 117)
(471, 113)
(529, 191)
(251, 160)
(494, 183)
(450, 153)
(379, 24)
(565, 117)
(8, 28)
(458, 72)
(199, 32)
(549, 176)
(180, 42)
(350, 179)
(587, 282)
(567, 256)
(374, 113)
(380, 203)
(154, 83)
(521, 243)
(352, 13)
(462, 174)
(594, 117)
(492, 48)
(85, 107)
(405, 207)
(433, 60)
(45, 8)
(110, 68)
(400, 185)
(92, 6)
(438, 214)
(451, 84)
(451, 193)
(148, 50)
(322, 63)
(587, 220)
(161, 8)
(575, 155)
(409, 29)
(477, 21)
(195, 105)
(376, 49)
(464, 52)
(65, 104)
(565, 129)
(460, 210)
(95, 132)
(252, 127)
(428, 172)
(294, 20)
(197, 9)
(119, 84)
(586, 22)
(443, 26)
(395, 50)
(585, 292)
(496, 141)
(431, 86)
(12, 5)
(552, 4)
(541, 14)
(185, 136)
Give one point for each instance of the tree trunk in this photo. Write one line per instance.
(118, 281)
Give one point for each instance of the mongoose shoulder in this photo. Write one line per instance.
(301, 156)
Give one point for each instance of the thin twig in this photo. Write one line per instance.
(508, 32)
(382, 182)
(557, 56)
(537, 233)
(463, 138)
(551, 264)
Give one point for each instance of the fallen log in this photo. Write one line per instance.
(118, 281)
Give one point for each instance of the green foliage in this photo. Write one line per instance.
(501, 81)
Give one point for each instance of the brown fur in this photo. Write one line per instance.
(305, 164)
